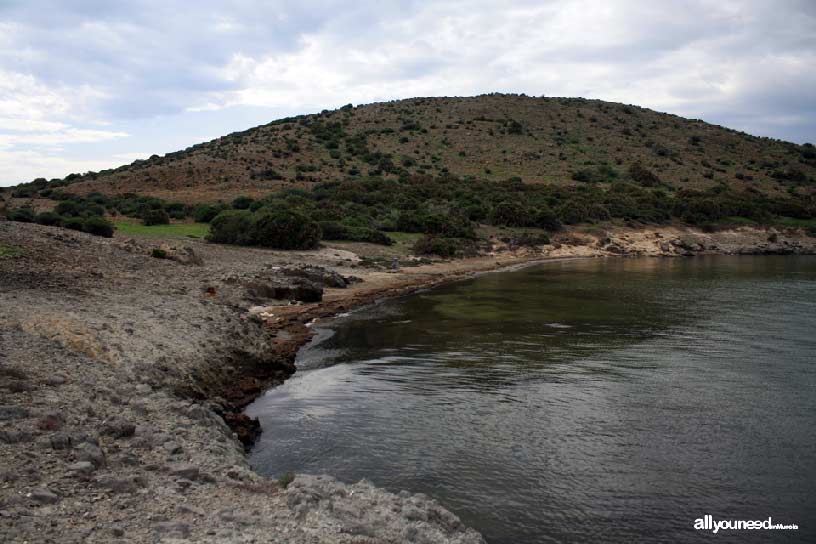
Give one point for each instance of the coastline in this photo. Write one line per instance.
(119, 372)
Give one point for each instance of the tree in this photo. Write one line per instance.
(284, 229)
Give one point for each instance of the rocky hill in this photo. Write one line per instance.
(492, 137)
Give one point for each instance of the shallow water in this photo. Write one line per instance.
(604, 400)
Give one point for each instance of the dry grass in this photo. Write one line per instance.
(492, 136)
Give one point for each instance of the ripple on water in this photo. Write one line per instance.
(612, 401)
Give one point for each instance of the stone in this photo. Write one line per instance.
(143, 389)
(8, 412)
(189, 509)
(172, 447)
(188, 472)
(60, 441)
(172, 529)
(55, 380)
(123, 485)
(82, 467)
(15, 437)
(91, 453)
(43, 495)
(119, 429)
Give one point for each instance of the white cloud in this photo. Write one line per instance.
(29, 164)
(66, 68)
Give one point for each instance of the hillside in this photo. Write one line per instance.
(561, 141)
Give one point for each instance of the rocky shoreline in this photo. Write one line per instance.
(123, 377)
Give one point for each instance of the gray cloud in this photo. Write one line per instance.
(106, 68)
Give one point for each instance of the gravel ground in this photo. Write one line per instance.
(122, 377)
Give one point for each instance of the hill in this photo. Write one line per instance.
(563, 141)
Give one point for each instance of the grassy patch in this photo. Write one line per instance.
(9, 251)
(177, 230)
(405, 237)
(796, 223)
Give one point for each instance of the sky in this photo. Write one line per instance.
(93, 84)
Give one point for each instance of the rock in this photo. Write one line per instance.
(317, 275)
(123, 485)
(60, 441)
(172, 448)
(248, 429)
(172, 529)
(91, 453)
(15, 437)
(55, 380)
(43, 495)
(119, 429)
(8, 412)
(189, 472)
(82, 467)
(51, 422)
(189, 509)
(143, 389)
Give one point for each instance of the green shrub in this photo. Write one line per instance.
(284, 229)
(49, 219)
(231, 227)
(286, 479)
(177, 210)
(23, 215)
(334, 230)
(67, 208)
(511, 214)
(74, 223)
(242, 203)
(158, 253)
(443, 247)
(99, 226)
(643, 175)
(545, 218)
(372, 236)
(451, 225)
(206, 212)
(155, 217)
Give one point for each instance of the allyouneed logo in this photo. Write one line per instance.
(707, 523)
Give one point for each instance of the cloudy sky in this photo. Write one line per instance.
(91, 84)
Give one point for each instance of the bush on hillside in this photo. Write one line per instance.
(643, 175)
(206, 212)
(23, 215)
(334, 230)
(242, 203)
(74, 223)
(99, 226)
(444, 247)
(67, 208)
(231, 227)
(49, 219)
(284, 229)
(155, 217)
(546, 219)
(510, 214)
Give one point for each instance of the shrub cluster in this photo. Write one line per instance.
(444, 247)
(70, 218)
(267, 227)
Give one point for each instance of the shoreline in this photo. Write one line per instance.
(121, 372)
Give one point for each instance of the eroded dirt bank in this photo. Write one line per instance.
(118, 371)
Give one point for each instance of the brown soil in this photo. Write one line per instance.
(123, 376)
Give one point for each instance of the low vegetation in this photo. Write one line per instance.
(440, 168)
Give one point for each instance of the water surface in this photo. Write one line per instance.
(605, 400)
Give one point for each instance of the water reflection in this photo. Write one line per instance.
(612, 400)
